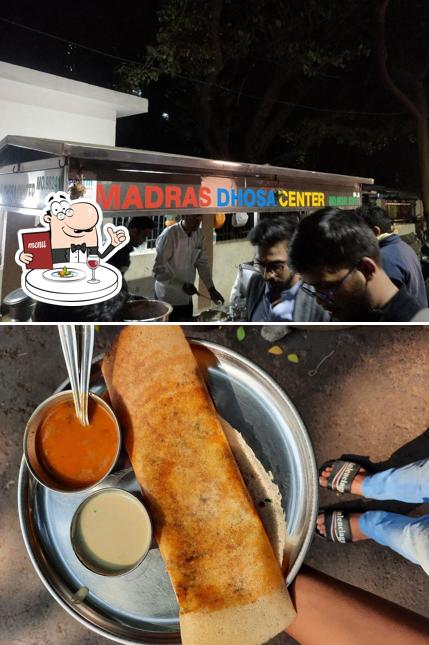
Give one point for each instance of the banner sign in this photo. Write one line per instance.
(30, 189)
(208, 194)
(165, 197)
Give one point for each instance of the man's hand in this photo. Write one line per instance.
(216, 296)
(117, 237)
(26, 257)
(189, 289)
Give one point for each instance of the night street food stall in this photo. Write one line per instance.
(139, 182)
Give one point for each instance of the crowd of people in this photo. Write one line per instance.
(332, 265)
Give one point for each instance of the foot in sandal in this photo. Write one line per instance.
(342, 476)
(339, 526)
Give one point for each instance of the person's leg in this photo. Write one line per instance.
(356, 484)
(334, 612)
(408, 536)
(354, 522)
(409, 483)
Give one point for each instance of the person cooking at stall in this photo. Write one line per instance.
(180, 252)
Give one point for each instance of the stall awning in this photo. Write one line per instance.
(146, 182)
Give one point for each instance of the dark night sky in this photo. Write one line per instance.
(124, 31)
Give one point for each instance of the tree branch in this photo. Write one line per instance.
(206, 122)
(381, 53)
(217, 6)
(278, 80)
(204, 119)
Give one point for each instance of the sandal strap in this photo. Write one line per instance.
(342, 476)
(338, 527)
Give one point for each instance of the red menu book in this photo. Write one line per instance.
(39, 245)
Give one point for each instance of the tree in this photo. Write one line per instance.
(402, 30)
(238, 69)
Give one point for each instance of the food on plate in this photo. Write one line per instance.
(111, 532)
(264, 492)
(228, 583)
(64, 273)
(76, 456)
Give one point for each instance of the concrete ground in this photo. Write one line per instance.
(369, 399)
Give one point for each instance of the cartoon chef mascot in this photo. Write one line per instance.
(75, 231)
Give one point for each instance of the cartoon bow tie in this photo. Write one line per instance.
(78, 247)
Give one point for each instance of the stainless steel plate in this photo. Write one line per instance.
(140, 607)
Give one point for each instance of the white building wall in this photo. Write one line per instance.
(43, 122)
(41, 105)
(226, 258)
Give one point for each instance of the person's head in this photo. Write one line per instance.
(338, 255)
(376, 218)
(272, 237)
(77, 190)
(71, 222)
(191, 222)
(140, 228)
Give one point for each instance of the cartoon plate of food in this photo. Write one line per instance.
(64, 274)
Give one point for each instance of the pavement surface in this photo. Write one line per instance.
(368, 399)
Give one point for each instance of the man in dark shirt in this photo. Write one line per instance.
(274, 292)
(338, 256)
(139, 228)
(398, 258)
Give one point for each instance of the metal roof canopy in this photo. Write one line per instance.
(24, 161)
(390, 193)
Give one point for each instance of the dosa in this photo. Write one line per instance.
(228, 583)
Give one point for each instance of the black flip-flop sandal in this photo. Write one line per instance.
(337, 525)
(342, 476)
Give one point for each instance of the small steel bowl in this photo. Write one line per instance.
(30, 442)
(80, 551)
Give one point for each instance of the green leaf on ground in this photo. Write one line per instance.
(293, 358)
(241, 334)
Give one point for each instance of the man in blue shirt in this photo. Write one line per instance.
(274, 293)
(398, 259)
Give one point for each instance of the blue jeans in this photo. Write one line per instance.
(408, 536)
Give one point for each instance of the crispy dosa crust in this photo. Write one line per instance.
(212, 541)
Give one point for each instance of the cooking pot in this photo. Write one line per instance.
(147, 311)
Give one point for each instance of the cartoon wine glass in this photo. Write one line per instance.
(93, 261)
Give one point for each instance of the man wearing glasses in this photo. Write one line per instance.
(339, 259)
(275, 291)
